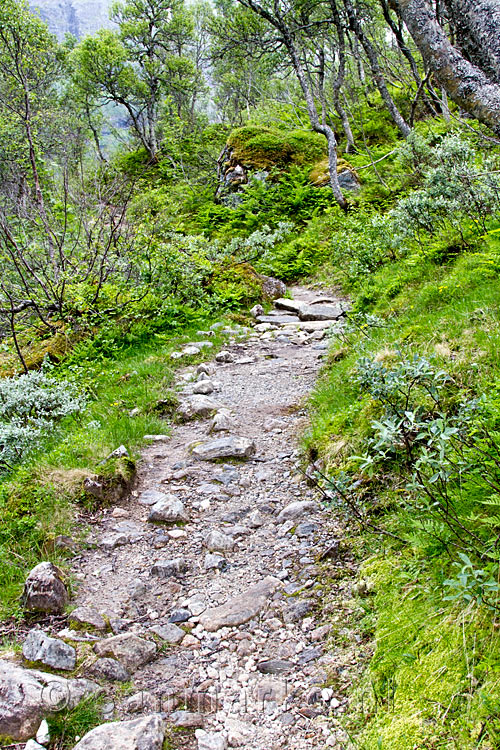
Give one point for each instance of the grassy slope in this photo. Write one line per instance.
(39, 499)
(435, 676)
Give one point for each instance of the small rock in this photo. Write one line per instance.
(51, 652)
(226, 447)
(271, 690)
(33, 745)
(297, 510)
(168, 510)
(169, 633)
(210, 740)
(44, 590)
(275, 666)
(127, 648)
(241, 608)
(216, 541)
(298, 610)
(319, 634)
(186, 719)
(141, 702)
(197, 406)
(109, 669)
(224, 357)
(87, 618)
(120, 452)
(205, 387)
(214, 562)
(168, 568)
(189, 641)
(43, 734)
(222, 422)
(150, 497)
(146, 733)
(180, 615)
(256, 311)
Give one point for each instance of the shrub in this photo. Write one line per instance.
(30, 406)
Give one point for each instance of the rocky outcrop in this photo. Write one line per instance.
(146, 733)
(77, 17)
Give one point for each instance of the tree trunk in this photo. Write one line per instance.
(465, 83)
(376, 70)
(476, 24)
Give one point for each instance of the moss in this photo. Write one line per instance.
(265, 148)
(236, 284)
(320, 173)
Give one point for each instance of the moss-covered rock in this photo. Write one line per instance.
(256, 147)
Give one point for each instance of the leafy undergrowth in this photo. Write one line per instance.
(39, 497)
(404, 430)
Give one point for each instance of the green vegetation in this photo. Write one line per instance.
(121, 237)
(68, 725)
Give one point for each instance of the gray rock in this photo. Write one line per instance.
(109, 669)
(297, 509)
(51, 652)
(27, 695)
(222, 422)
(217, 541)
(210, 740)
(120, 452)
(203, 369)
(150, 497)
(85, 617)
(226, 447)
(256, 311)
(168, 510)
(224, 357)
(242, 607)
(44, 590)
(146, 733)
(186, 719)
(271, 287)
(205, 387)
(298, 610)
(197, 407)
(170, 633)
(179, 615)
(275, 666)
(349, 181)
(133, 652)
(214, 562)
(306, 529)
(191, 350)
(141, 702)
(168, 568)
(291, 305)
(321, 312)
(278, 320)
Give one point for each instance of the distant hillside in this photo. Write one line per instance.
(77, 17)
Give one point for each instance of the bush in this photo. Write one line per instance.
(30, 406)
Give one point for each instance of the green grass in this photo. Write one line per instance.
(38, 500)
(65, 726)
(434, 679)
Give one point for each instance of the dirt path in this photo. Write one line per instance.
(239, 575)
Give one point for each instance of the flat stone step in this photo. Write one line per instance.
(291, 305)
(278, 319)
(321, 312)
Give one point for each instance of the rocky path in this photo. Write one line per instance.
(207, 574)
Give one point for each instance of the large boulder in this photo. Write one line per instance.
(44, 590)
(27, 696)
(146, 733)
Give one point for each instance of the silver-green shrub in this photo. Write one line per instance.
(30, 407)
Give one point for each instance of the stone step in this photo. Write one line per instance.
(290, 305)
(321, 312)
